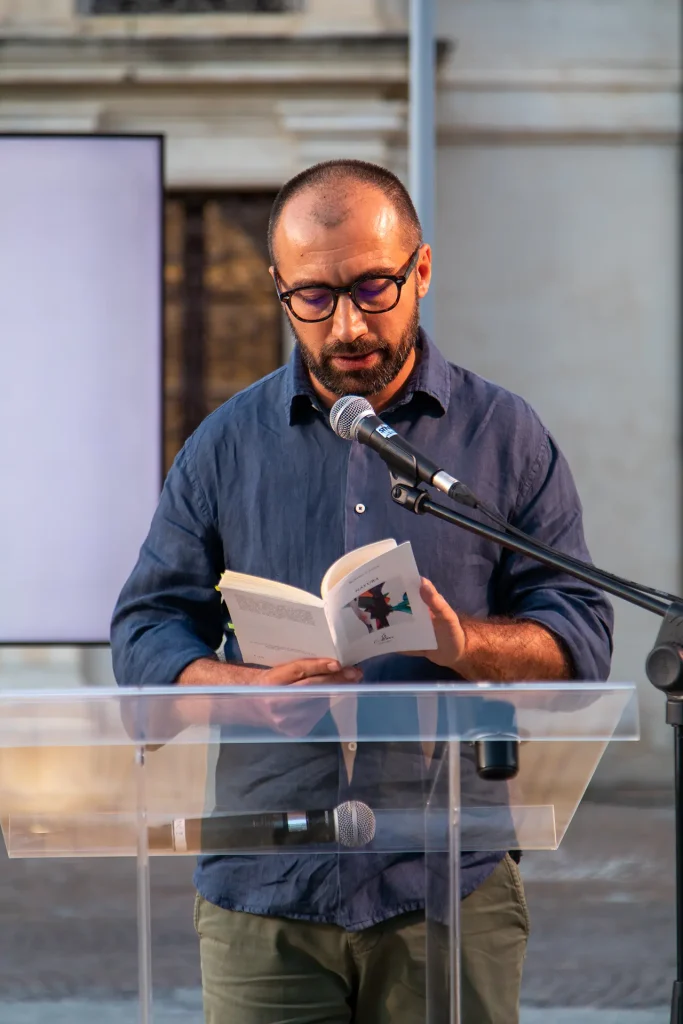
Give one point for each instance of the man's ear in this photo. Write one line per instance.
(423, 271)
(273, 273)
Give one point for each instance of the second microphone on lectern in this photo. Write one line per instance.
(351, 824)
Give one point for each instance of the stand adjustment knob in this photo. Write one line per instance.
(664, 667)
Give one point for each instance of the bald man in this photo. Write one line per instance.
(266, 487)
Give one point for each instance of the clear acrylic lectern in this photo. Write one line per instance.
(331, 772)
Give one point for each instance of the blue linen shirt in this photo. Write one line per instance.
(265, 487)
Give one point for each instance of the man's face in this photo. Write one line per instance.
(352, 352)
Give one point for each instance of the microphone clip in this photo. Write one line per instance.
(406, 493)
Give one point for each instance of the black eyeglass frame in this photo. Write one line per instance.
(350, 289)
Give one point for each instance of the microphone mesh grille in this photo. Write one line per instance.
(355, 823)
(344, 412)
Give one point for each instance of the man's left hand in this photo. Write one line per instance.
(450, 636)
(497, 650)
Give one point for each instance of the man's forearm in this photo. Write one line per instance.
(212, 672)
(510, 650)
(293, 714)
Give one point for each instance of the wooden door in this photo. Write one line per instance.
(223, 321)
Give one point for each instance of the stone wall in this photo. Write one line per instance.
(557, 269)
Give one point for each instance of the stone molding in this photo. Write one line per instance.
(639, 102)
(68, 18)
(219, 61)
(578, 103)
(326, 129)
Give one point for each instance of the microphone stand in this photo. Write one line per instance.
(664, 664)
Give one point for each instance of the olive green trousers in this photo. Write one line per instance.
(270, 970)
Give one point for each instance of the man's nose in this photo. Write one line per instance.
(348, 322)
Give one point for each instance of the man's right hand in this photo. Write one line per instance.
(308, 671)
(292, 716)
(288, 716)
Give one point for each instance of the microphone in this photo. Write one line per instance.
(354, 419)
(350, 824)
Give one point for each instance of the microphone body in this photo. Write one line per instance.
(351, 824)
(354, 419)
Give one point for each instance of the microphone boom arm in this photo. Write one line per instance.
(417, 500)
(664, 664)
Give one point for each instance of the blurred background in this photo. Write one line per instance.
(556, 232)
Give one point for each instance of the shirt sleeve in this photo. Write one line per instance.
(549, 510)
(169, 612)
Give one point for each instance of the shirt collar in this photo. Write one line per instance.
(430, 377)
(298, 391)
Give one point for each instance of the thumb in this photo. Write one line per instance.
(431, 596)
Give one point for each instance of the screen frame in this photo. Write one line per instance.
(159, 138)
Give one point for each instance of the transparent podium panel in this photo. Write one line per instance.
(411, 783)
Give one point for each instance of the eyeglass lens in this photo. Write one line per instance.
(373, 296)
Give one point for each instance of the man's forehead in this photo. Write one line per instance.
(317, 222)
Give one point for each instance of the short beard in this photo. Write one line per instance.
(360, 382)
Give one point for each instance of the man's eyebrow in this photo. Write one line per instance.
(372, 272)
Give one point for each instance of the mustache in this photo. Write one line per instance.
(353, 349)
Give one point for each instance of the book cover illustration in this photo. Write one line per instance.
(379, 607)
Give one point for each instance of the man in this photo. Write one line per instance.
(266, 487)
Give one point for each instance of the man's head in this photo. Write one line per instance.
(344, 223)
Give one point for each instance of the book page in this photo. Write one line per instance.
(378, 609)
(351, 561)
(238, 581)
(271, 631)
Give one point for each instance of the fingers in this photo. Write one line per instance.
(310, 669)
(303, 668)
(347, 675)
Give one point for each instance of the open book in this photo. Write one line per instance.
(370, 604)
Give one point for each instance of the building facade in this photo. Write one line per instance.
(557, 220)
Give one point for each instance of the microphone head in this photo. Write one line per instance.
(354, 823)
(346, 414)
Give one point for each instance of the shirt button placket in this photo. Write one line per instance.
(357, 512)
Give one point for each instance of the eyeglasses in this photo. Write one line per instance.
(315, 303)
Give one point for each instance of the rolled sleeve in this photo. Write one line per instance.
(580, 615)
(169, 613)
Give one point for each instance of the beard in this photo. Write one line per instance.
(370, 381)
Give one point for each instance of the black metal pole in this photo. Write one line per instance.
(674, 716)
(664, 664)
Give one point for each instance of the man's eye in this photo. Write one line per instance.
(374, 288)
(314, 296)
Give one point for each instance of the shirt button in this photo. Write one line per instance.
(352, 746)
(360, 508)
